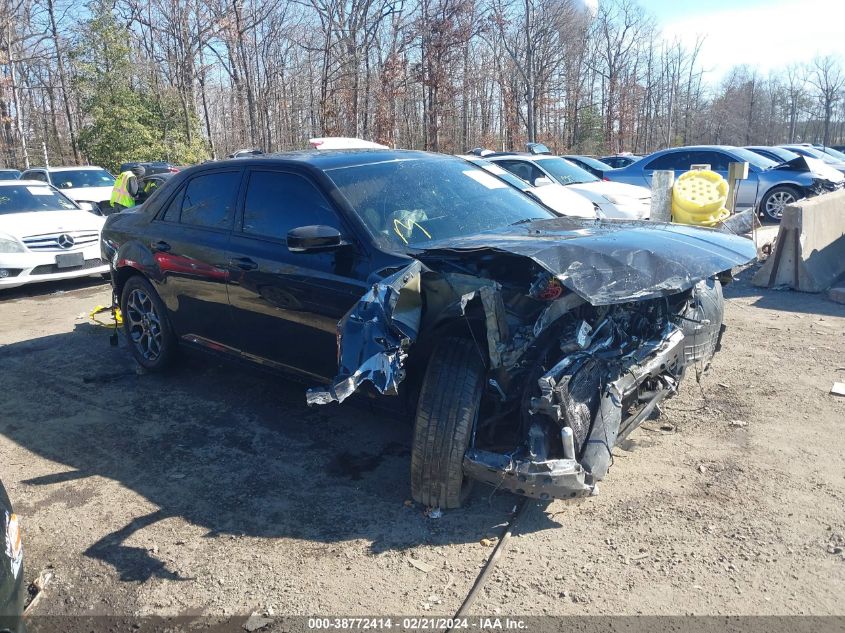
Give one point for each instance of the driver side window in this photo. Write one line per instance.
(277, 202)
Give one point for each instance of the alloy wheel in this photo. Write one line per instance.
(144, 324)
(777, 202)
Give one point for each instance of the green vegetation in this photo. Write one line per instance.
(124, 118)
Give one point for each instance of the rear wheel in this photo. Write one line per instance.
(145, 322)
(448, 406)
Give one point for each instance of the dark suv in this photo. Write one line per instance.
(525, 343)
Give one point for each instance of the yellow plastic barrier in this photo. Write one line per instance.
(698, 197)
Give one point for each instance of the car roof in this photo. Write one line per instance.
(30, 183)
(331, 159)
(67, 168)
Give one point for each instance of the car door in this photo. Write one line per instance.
(677, 161)
(286, 305)
(189, 241)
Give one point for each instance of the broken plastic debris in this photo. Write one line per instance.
(418, 564)
(434, 513)
(583, 337)
(838, 389)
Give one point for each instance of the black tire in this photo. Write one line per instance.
(449, 402)
(776, 199)
(146, 325)
(702, 322)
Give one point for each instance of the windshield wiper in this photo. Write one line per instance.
(523, 221)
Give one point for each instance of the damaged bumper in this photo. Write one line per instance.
(537, 477)
(549, 479)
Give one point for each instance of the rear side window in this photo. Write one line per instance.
(277, 202)
(523, 169)
(35, 175)
(672, 160)
(208, 200)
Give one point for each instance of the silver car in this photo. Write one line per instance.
(770, 185)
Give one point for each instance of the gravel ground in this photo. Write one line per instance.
(213, 489)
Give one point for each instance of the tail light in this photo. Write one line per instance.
(173, 170)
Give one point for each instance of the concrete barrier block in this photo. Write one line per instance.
(809, 253)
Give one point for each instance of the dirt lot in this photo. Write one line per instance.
(213, 489)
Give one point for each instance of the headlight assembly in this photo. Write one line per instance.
(9, 244)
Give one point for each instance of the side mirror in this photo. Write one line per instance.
(85, 206)
(542, 181)
(317, 237)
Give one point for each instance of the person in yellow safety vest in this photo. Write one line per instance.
(126, 188)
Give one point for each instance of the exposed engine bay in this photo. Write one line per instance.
(574, 362)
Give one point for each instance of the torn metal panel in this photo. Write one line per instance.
(607, 263)
(494, 319)
(374, 336)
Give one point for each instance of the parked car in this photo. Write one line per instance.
(811, 152)
(596, 167)
(769, 188)
(559, 199)
(150, 168)
(12, 587)
(614, 200)
(246, 153)
(9, 174)
(44, 235)
(343, 142)
(620, 160)
(773, 153)
(830, 151)
(92, 185)
(527, 344)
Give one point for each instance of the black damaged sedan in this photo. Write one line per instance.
(12, 590)
(525, 345)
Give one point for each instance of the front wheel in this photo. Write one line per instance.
(449, 402)
(145, 322)
(775, 201)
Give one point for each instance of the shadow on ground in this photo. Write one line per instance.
(225, 447)
(782, 300)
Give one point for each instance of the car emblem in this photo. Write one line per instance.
(65, 241)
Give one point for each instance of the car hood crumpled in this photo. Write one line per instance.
(815, 166)
(611, 262)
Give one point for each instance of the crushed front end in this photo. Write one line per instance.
(583, 332)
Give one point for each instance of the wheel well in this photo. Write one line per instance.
(121, 276)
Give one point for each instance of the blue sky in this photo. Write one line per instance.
(765, 34)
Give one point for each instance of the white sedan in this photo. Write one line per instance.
(87, 183)
(614, 200)
(44, 235)
(559, 199)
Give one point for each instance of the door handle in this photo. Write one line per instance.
(161, 246)
(244, 263)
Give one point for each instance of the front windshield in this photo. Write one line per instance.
(783, 155)
(594, 163)
(411, 202)
(566, 173)
(814, 153)
(835, 153)
(28, 198)
(746, 155)
(76, 178)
